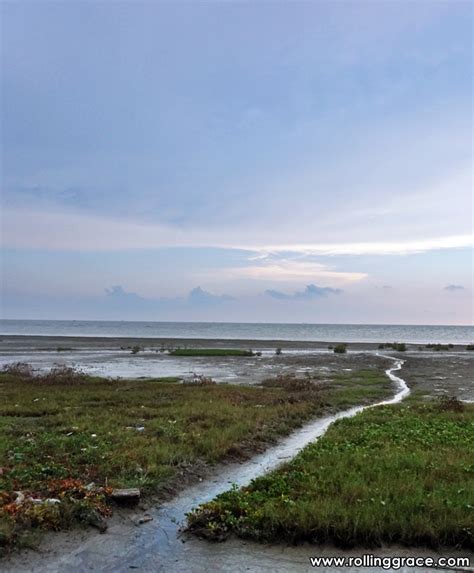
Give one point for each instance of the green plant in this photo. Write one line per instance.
(210, 352)
(393, 474)
(340, 348)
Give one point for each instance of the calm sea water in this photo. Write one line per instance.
(228, 330)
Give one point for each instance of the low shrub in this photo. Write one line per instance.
(18, 370)
(340, 348)
(450, 404)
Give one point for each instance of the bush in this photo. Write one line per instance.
(136, 350)
(278, 351)
(18, 369)
(399, 346)
(200, 380)
(450, 404)
(470, 347)
(290, 382)
(340, 348)
(62, 375)
(438, 347)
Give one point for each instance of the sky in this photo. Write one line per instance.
(237, 161)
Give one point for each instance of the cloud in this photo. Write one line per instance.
(200, 296)
(197, 297)
(117, 292)
(453, 288)
(74, 231)
(272, 266)
(310, 292)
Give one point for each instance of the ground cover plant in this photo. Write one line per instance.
(398, 346)
(67, 439)
(210, 352)
(439, 347)
(392, 474)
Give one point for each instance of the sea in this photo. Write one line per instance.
(420, 334)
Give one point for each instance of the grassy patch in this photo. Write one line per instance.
(63, 431)
(394, 474)
(398, 346)
(210, 352)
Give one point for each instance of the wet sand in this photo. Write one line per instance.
(432, 372)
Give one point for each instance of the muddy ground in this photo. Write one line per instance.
(432, 372)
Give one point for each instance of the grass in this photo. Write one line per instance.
(72, 437)
(210, 352)
(393, 474)
(398, 346)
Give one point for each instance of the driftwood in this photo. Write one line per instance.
(130, 496)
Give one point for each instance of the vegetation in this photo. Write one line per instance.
(67, 438)
(470, 347)
(396, 474)
(340, 348)
(398, 346)
(439, 347)
(210, 352)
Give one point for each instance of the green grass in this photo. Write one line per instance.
(210, 352)
(64, 430)
(392, 474)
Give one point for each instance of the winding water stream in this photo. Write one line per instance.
(157, 546)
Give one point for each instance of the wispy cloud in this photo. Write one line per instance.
(55, 230)
(289, 269)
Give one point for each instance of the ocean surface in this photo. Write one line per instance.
(421, 334)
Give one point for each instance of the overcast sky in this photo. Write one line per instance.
(296, 161)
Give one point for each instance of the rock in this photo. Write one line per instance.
(141, 519)
(130, 496)
(96, 520)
